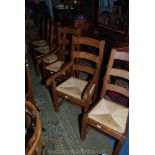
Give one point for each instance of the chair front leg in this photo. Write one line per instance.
(86, 108)
(37, 68)
(84, 128)
(118, 146)
(54, 97)
(42, 69)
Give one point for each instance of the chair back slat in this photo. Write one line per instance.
(122, 56)
(87, 69)
(120, 73)
(87, 41)
(118, 89)
(86, 55)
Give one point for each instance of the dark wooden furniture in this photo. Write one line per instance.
(77, 89)
(54, 61)
(28, 93)
(111, 25)
(115, 20)
(76, 14)
(28, 81)
(40, 48)
(33, 145)
(108, 116)
(44, 33)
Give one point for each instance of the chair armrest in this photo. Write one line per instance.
(90, 88)
(65, 67)
(53, 51)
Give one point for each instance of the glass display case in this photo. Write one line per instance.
(113, 15)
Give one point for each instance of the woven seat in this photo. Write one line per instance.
(39, 43)
(55, 67)
(43, 49)
(73, 87)
(110, 114)
(52, 58)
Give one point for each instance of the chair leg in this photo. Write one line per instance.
(118, 146)
(84, 128)
(30, 96)
(42, 66)
(86, 108)
(94, 97)
(37, 69)
(55, 101)
(43, 73)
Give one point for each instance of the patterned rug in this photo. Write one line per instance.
(62, 129)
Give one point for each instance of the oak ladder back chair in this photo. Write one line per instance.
(108, 116)
(43, 47)
(49, 46)
(53, 62)
(76, 89)
(32, 123)
(44, 33)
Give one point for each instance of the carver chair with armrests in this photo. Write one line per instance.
(82, 77)
(51, 35)
(40, 48)
(33, 130)
(53, 62)
(108, 116)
